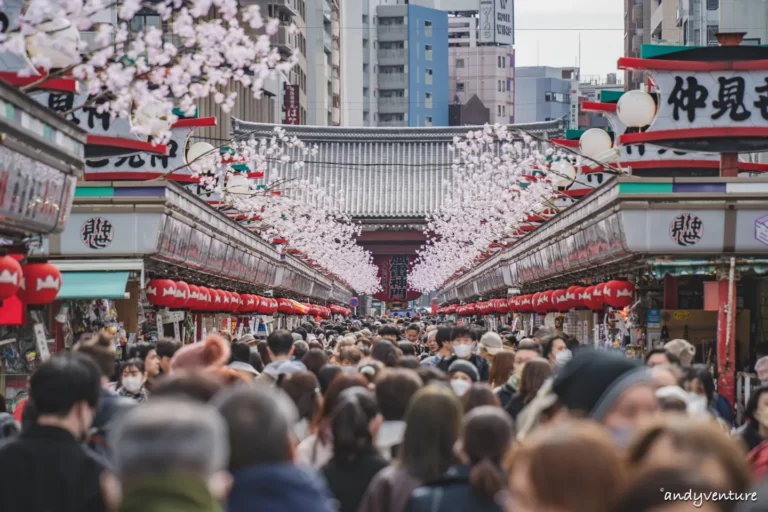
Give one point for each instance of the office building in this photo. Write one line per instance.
(545, 93)
(323, 34)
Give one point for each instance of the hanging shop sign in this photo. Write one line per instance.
(686, 229)
(393, 272)
(97, 233)
(291, 104)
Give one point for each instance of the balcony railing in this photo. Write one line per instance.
(392, 80)
(393, 124)
(392, 56)
(393, 105)
(327, 41)
(284, 40)
(392, 32)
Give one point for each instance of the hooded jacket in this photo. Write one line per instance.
(282, 487)
(171, 494)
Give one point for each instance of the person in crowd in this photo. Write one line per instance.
(166, 348)
(660, 356)
(761, 368)
(412, 333)
(132, 379)
(240, 362)
(682, 350)
(667, 375)
(315, 359)
(543, 335)
(349, 358)
(478, 395)
(354, 425)
(755, 428)
(490, 345)
(189, 385)
(325, 376)
(570, 467)
(394, 390)
(254, 359)
(444, 350)
(406, 348)
(462, 343)
(699, 383)
(476, 483)
(300, 349)
(259, 422)
(672, 398)
(209, 356)
(390, 333)
(317, 449)
(693, 445)
(431, 375)
(556, 351)
(100, 348)
(430, 344)
(433, 422)
(263, 350)
(501, 369)
(280, 348)
(463, 374)
(385, 352)
(304, 390)
(170, 455)
(46, 467)
(147, 353)
(526, 350)
(652, 492)
(535, 372)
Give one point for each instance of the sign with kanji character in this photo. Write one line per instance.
(97, 233)
(291, 104)
(686, 229)
(393, 272)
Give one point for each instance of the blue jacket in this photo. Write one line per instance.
(282, 487)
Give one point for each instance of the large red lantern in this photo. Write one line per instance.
(182, 295)
(10, 277)
(524, 303)
(451, 309)
(535, 302)
(618, 294)
(285, 306)
(585, 297)
(590, 301)
(501, 306)
(217, 300)
(512, 304)
(597, 293)
(206, 299)
(194, 298)
(249, 303)
(544, 302)
(235, 301)
(560, 300)
(572, 298)
(161, 292)
(471, 309)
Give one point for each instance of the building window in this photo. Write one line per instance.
(428, 76)
(502, 61)
(713, 5)
(509, 84)
(428, 28)
(459, 86)
(547, 96)
(365, 116)
(365, 68)
(428, 121)
(365, 19)
(365, 92)
(427, 52)
(712, 30)
(459, 63)
(427, 100)
(685, 33)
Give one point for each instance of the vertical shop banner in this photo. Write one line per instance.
(291, 104)
(497, 22)
(393, 272)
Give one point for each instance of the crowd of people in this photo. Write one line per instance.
(370, 415)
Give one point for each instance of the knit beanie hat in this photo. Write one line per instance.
(212, 353)
(593, 380)
(682, 349)
(460, 365)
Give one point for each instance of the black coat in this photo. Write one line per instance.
(480, 363)
(452, 493)
(505, 394)
(46, 470)
(515, 405)
(750, 434)
(348, 482)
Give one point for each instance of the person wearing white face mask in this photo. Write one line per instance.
(132, 379)
(462, 343)
(556, 352)
(463, 375)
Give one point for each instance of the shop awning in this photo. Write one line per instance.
(93, 285)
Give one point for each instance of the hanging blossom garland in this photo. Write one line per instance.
(500, 177)
(143, 75)
(304, 213)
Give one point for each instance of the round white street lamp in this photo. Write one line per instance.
(636, 109)
(563, 173)
(594, 142)
(59, 44)
(197, 161)
(238, 186)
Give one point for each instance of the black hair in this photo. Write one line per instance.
(410, 362)
(254, 359)
(280, 342)
(701, 372)
(477, 332)
(141, 350)
(394, 389)
(406, 347)
(761, 350)
(100, 347)
(241, 352)
(754, 399)
(529, 346)
(300, 349)
(385, 352)
(355, 409)
(315, 359)
(462, 331)
(443, 335)
(63, 381)
(431, 375)
(301, 332)
(326, 374)
(546, 347)
(672, 358)
(486, 438)
(389, 330)
(304, 390)
(138, 363)
(167, 347)
(413, 327)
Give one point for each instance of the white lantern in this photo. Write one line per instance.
(636, 109)
(59, 45)
(197, 161)
(594, 142)
(239, 186)
(563, 173)
(153, 116)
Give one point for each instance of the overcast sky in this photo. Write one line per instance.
(600, 23)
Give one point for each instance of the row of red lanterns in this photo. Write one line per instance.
(617, 294)
(35, 284)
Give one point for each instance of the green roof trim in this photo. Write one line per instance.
(610, 96)
(241, 167)
(180, 113)
(652, 51)
(645, 188)
(94, 192)
(576, 134)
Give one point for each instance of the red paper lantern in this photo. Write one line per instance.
(235, 302)
(618, 294)
(511, 304)
(585, 297)
(501, 306)
(544, 302)
(286, 306)
(182, 295)
(524, 303)
(272, 306)
(209, 299)
(451, 309)
(11, 276)
(572, 298)
(249, 303)
(194, 298)
(217, 300)
(471, 309)
(535, 302)
(161, 292)
(597, 293)
(560, 300)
